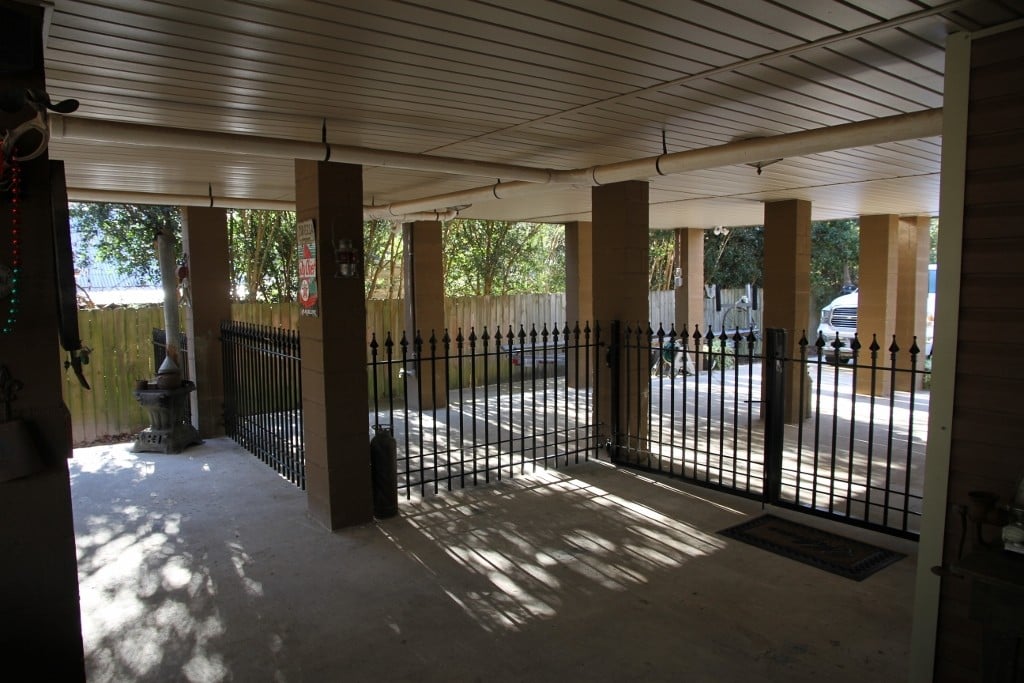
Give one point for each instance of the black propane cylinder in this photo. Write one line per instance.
(384, 472)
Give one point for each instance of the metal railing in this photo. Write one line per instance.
(849, 444)
(263, 395)
(857, 450)
(476, 407)
(691, 407)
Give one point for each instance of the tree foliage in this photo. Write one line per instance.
(734, 257)
(123, 235)
(484, 258)
(481, 257)
(383, 250)
(263, 254)
(661, 259)
(835, 257)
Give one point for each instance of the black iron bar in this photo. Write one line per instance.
(406, 457)
(417, 365)
(914, 351)
(472, 383)
(834, 440)
(723, 339)
(751, 340)
(852, 448)
(893, 351)
(702, 366)
(657, 367)
(459, 345)
(446, 341)
(737, 340)
(709, 340)
(874, 347)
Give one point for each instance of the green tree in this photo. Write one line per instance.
(661, 259)
(383, 253)
(835, 256)
(485, 258)
(263, 253)
(734, 257)
(262, 244)
(122, 235)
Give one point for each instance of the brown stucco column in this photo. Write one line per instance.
(204, 236)
(579, 288)
(912, 293)
(40, 625)
(689, 292)
(787, 285)
(876, 299)
(424, 312)
(620, 292)
(579, 273)
(334, 380)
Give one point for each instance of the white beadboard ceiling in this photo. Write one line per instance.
(537, 83)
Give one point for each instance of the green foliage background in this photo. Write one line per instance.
(481, 258)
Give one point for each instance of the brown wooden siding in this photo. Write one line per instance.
(986, 452)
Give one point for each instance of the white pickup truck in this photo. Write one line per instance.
(839, 317)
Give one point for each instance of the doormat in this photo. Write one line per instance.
(821, 549)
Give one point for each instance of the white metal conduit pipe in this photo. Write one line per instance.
(923, 124)
(97, 130)
(163, 199)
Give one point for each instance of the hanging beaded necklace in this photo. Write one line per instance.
(11, 276)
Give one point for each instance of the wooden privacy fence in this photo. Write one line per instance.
(388, 315)
(122, 343)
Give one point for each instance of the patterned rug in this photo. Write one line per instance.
(821, 549)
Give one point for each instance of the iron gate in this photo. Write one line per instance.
(711, 409)
(480, 406)
(263, 395)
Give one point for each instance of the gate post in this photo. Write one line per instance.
(615, 385)
(774, 411)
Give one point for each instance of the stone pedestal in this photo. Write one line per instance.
(170, 430)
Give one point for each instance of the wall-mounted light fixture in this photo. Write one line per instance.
(346, 255)
(346, 259)
(678, 277)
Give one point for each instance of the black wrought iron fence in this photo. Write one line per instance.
(692, 407)
(476, 407)
(263, 395)
(857, 449)
(848, 441)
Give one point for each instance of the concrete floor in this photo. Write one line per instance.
(205, 567)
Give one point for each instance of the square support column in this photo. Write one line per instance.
(427, 389)
(579, 288)
(334, 381)
(579, 272)
(912, 294)
(876, 299)
(204, 238)
(787, 287)
(619, 266)
(40, 619)
(689, 293)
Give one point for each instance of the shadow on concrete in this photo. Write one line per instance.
(204, 566)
